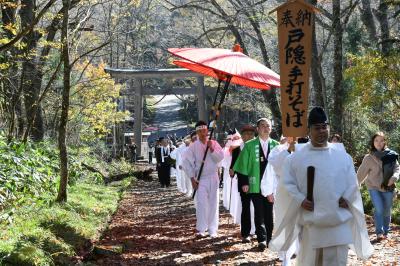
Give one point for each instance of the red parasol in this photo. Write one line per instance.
(220, 63)
(150, 128)
(228, 66)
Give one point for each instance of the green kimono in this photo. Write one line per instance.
(248, 162)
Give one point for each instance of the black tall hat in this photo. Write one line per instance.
(317, 116)
(232, 131)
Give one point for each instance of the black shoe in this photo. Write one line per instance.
(262, 245)
(246, 239)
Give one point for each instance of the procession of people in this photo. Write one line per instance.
(297, 196)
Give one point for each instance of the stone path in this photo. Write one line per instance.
(168, 119)
(155, 226)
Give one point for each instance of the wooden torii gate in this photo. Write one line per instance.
(134, 79)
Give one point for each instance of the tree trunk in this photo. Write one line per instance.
(62, 131)
(270, 96)
(38, 78)
(318, 82)
(368, 20)
(338, 92)
(9, 88)
(382, 15)
(29, 77)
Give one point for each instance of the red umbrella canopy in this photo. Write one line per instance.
(150, 128)
(219, 63)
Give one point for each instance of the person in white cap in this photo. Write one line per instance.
(207, 184)
(326, 214)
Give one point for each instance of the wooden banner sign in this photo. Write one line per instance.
(295, 23)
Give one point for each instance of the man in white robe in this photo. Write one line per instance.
(186, 184)
(230, 191)
(235, 204)
(177, 155)
(226, 180)
(334, 219)
(207, 185)
(269, 184)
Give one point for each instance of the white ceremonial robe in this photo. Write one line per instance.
(174, 155)
(207, 195)
(328, 227)
(180, 178)
(186, 182)
(269, 185)
(235, 202)
(173, 170)
(226, 178)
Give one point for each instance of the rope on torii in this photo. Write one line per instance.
(162, 98)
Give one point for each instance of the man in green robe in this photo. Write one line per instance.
(250, 166)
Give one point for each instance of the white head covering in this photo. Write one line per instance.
(234, 139)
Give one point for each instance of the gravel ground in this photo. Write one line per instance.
(155, 226)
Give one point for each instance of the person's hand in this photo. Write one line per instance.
(270, 198)
(391, 181)
(231, 172)
(210, 145)
(343, 203)
(307, 205)
(195, 183)
(245, 188)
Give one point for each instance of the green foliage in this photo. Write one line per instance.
(376, 80)
(50, 235)
(29, 173)
(375, 97)
(26, 171)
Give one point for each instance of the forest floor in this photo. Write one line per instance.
(156, 226)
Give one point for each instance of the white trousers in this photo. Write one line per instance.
(286, 255)
(328, 256)
(188, 184)
(207, 208)
(226, 188)
(179, 180)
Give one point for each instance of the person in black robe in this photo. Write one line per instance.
(163, 162)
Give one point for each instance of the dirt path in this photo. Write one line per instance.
(155, 226)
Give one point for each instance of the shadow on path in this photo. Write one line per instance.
(155, 226)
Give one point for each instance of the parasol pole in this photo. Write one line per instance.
(214, 107)
(221, 100)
